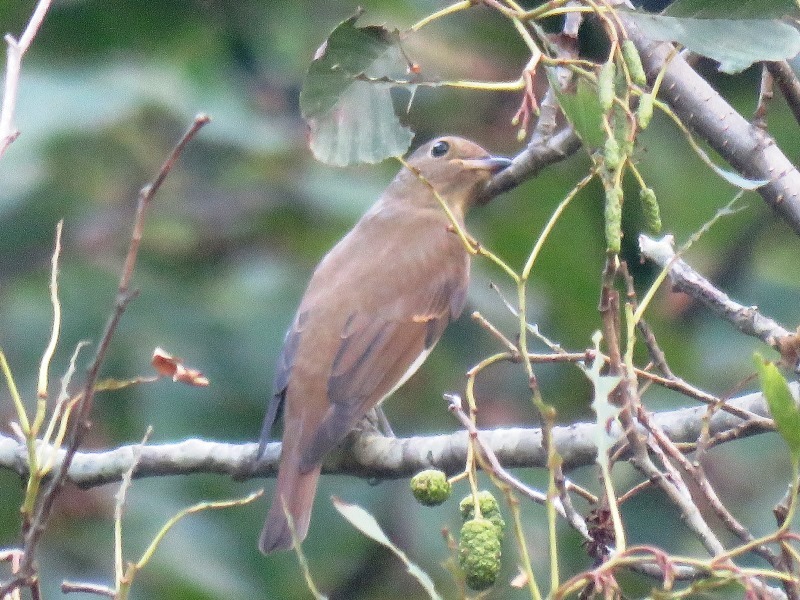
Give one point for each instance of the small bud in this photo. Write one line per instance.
(605, 85)
(430, 487)
(631, 57)
(479, 553)
(645, 110)
(490, 510)
(652, 214)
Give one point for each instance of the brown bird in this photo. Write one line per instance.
(373, 310)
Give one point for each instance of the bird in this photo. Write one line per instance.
(373, 310)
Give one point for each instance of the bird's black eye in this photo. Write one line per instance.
(439, 149)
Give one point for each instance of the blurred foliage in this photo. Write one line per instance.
(231, 241)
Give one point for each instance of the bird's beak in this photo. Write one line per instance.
(492, 164)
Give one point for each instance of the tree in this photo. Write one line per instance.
(595, 81)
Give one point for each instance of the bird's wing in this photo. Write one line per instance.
(283, 369)
(376, 355)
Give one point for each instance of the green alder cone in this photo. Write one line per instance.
(479, 553)
(490, 510)
(430, 487)
(612, 153)
(613, 219)
(652, 214)
(605, 84)
(631, 57)
(644, 113)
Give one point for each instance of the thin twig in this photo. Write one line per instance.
(787, 81)
(698, 475)
(508, 344)
(747, 319)
(80, 425)
(679, 385)
(564, 509)
(97, 589)
(653, 349)
(16, 51)
(765, 95)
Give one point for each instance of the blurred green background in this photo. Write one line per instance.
(233, 236)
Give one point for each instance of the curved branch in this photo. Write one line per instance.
(370, 455)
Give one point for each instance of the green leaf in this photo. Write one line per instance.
(735, 44)
(583, 110)
(782, 404)
(366, 524)
(346, 96)
(738, 9)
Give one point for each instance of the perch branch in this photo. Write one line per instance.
(371, 455)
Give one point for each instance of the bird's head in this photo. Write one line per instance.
(456, 168)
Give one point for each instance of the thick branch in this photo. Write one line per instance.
(539, 154)
(374, 456)
(746, 147)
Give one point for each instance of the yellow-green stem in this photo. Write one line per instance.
(519, 533)
(552, 494)
(22, 416)
(526, 271)
(446, 11)
(485, 86)
(552, 9)
(471, 450)
(613, 507)
(148, 554)
(470, 245)
(34, 476)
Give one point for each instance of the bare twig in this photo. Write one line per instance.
(679, 385)
(510, 346)
(35, 528)
(704, 485)
(684, 278)
(565, 509)
(788, 83)
(88, 588)
(16, 51)
(765, 96)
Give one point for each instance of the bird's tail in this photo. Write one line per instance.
(295, 491)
